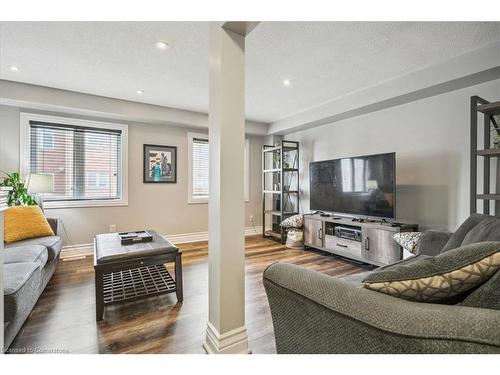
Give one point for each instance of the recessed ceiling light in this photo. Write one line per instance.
(140, 92)
(161, 45)
(287, 82)
(14, 68)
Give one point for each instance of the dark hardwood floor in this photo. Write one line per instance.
(64, 317)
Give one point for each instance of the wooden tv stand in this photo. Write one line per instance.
(374, 246)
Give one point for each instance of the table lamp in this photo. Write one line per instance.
(39, 183)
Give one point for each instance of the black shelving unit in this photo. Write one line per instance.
(491, 115)
(280, 168)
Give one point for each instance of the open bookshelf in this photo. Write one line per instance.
(485, 148)
(280, 187)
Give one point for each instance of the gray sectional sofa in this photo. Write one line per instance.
(317, 313)
(28, 267)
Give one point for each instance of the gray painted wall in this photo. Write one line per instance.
(162, 207)
(431, 140)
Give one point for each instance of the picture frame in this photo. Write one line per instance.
(159, 164)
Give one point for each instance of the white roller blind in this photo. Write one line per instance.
(85, 162)
(200, 168)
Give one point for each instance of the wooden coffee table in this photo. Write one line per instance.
(130, 272)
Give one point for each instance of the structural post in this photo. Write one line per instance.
(226, 332)
(4, 191)
(2, 347)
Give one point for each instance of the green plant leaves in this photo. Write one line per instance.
(18, 196)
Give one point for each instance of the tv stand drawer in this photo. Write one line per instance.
(343, 246)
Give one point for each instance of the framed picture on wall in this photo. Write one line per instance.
(160, 164)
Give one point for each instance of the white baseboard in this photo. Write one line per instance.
(83, 250)
(232, 342)
(77, 251)
(203, 236)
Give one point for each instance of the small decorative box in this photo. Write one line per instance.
(128, 238)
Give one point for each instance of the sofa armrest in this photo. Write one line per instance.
(431, 242)
(316, 313)
(54, 223)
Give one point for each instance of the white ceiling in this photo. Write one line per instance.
(324, 60)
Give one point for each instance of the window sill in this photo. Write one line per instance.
(80, 204)
(202, 201)
(197, 201)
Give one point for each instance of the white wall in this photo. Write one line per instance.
(162, 207)
(431, 140)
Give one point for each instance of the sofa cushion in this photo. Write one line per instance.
(439, 278)
(33, 254)
(486, 296)
(21, 287)
(52, 243)
(432, 242)
(486, 230)
(458, 237)
(22, 222)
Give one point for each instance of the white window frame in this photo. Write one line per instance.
(191, 137)
(25, 145)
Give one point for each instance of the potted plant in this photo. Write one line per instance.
(18, 196)
(496, 141)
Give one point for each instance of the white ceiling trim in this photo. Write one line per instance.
(41, 98)
(469, 69)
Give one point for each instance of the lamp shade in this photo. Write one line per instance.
(40, 183)
(371, 185)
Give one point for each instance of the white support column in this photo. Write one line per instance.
(226, 332)
(4, 191)
(2, 348)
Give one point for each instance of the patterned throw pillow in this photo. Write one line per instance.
(438, 278)
(295, 221)
(408, 240)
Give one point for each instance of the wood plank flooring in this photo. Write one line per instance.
(64, 317)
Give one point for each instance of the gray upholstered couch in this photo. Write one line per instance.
(28, 267)
(316, 313)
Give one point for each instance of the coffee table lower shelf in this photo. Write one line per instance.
(136, 283)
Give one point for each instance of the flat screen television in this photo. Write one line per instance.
(361, 186)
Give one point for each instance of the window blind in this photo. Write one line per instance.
(85, 162)
(200, 168)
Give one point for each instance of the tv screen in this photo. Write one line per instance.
(359, 186)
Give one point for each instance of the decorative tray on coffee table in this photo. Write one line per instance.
(128, 238)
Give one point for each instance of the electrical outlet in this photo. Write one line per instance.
(112, 228)
(251, 218)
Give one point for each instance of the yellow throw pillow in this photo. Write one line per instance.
(23, 222)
